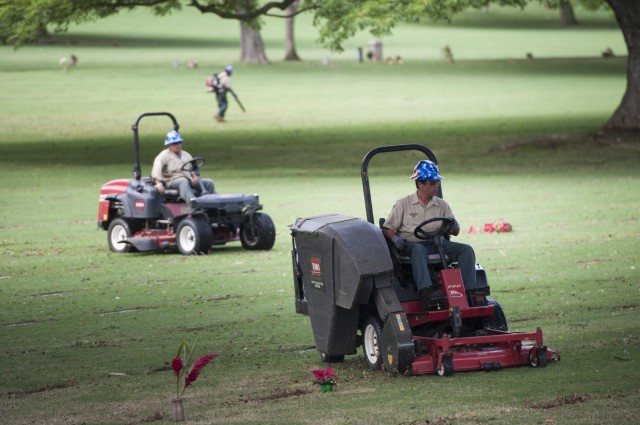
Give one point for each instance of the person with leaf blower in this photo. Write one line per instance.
(412, 210)
(222, 86)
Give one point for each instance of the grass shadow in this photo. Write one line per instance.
(127, 41)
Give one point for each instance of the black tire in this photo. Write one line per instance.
(539, 359)
(194, 236)
(264, 233)
(497, 321)
(119, 230)
(331, 359)
(447, 366)
(372, 342)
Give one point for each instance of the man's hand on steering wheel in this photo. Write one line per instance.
(448, 224)
(194, 165)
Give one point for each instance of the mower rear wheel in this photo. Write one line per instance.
(259, 235)
(372, 341)
(194, 236)
(538, 357)
(119, 231)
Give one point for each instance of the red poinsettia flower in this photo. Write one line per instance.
(324, 376)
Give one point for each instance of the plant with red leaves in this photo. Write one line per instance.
(326, 378)
(180, 367)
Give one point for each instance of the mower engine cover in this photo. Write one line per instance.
(230, 202)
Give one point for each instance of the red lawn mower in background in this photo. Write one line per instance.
(138, 218)
(358, 290)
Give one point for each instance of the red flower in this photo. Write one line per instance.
(176, 365)
(489, 227)
(179, 366)
(197, 367)
(324, 376)
(503, 226)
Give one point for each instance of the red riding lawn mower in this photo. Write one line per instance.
(359, 291)
(138, 218)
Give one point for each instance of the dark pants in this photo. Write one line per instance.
(187, 190)
(222, 103)
(460, 252)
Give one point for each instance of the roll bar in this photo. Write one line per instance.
(137, 173)
(386, 149)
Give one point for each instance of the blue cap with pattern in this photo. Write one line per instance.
(172, 138)
(426, 170)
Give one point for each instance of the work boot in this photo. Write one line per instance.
(217, 118)
(425, 294)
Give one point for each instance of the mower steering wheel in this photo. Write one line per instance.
(420, 233)
(194, 165)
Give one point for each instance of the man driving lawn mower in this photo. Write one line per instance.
(416, 208)
(171, 168)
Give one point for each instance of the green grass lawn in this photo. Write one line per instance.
(86, 336)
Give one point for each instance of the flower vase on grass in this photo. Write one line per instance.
(326, 378)
(180, 369)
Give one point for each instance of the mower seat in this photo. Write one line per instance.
(405, 259)
(172, 195)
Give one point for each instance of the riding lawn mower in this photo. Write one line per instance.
(137, 217)
(358, 290)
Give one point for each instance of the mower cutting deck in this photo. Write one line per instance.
(358, 291)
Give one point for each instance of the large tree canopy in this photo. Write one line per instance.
(23, 21)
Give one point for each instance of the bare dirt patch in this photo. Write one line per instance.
(563, 401)
(42, 389)
(276, 395)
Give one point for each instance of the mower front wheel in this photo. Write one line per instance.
(119, 231)
(372, 341)
(538, 357)
(194, 236)
(446, 369)
(258, 233)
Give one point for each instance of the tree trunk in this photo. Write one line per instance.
(289, 39)
(252, 49)
(567, 17)
(627, 115)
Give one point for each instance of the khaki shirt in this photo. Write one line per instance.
(408, 212)
(167, 165)
(224, 81)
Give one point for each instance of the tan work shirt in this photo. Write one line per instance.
(224, 81)
(408, 212)
(167, 165)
